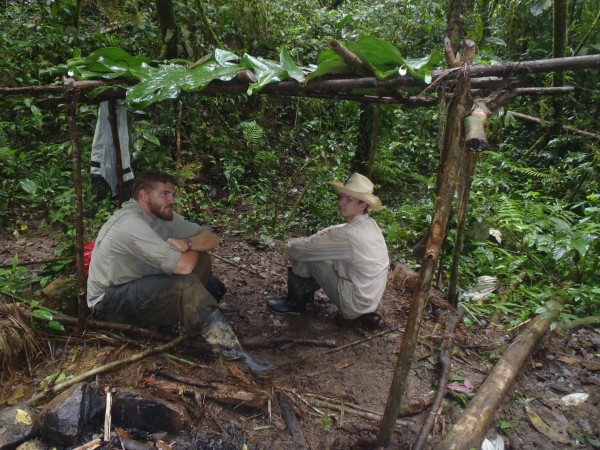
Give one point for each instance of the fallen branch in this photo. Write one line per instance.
(39, 261)
(263, 342)
(253, 272)
(470, 428)
(347, 409)
(446, 364)
(545, 123)
(201, 347)
(417, 406)
(360, 341)
(107, 412)
(582, 322)
(247, 396)
(105, 368)
(292, 422)
(92, 445)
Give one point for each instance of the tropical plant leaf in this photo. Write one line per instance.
(110, 62)
(253, 132)
(267, 71)
(168, 81)
(329, 62)
(383, 58)
(288, 64)
(29, 186)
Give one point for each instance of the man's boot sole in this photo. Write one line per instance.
(289, 311)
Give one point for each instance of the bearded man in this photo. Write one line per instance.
(151, 267)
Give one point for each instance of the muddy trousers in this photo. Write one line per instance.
(161, 299)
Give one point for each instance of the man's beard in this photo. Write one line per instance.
(165, 213)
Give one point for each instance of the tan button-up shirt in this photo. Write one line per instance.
(131, 245)
(360, 257)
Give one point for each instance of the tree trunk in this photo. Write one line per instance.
(459, 108)
(455, 30)
(559, 50)
(72, 98)
(469, 430)
(369, 122)
(467, 168)
(168, 29)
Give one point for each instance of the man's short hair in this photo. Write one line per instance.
(148, 179)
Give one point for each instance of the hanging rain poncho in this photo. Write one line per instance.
(103, 161)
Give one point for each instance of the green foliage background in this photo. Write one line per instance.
(247, 161)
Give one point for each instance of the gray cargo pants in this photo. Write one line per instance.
(161, 299)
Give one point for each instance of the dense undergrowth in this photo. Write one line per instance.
(258, 167)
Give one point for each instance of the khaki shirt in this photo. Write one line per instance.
(132, 245)
(360, 257)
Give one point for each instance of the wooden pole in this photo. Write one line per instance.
(446, 365)
(467, 168)
(72, 97)
(453, 141)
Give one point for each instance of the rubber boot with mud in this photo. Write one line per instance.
(219, 335)
(301, 290)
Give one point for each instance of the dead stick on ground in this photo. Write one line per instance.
(291, 420)
(254, 272)
(360, 341)
(351, 344)
(39, 261)
(105, 368)
(107, 413)
(348, 410)
(446, 364)
(92, 445)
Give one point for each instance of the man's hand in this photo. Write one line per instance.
(180, 245)
(204, 241)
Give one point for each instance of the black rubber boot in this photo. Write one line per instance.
(215, 287)
(301, 290)
(217, 332)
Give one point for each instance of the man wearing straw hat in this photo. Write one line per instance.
(349, 261)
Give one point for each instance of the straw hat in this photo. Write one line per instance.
(359, 187)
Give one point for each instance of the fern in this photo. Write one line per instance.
(513, 167)
(252, 132)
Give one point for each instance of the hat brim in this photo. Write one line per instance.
(370, 199)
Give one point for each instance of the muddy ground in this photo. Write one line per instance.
(327, 368)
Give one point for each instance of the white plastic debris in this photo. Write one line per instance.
(498, 444)
(485, 286)
(577, 398)
(496, 234)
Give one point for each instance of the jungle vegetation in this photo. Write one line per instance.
(257, 167)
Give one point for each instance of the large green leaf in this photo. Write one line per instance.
(109, 62)
(288, 64)
(383, 59)
(168, 81)
(266, 71)
(329, 62)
